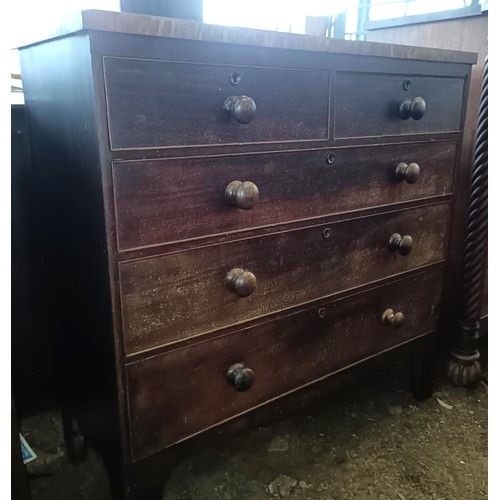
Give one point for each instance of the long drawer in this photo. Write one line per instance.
(164, 201)
(174, 296)
(158, 104)
(370, 104)
(180, 393)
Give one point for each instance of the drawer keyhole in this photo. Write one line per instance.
(235, 78)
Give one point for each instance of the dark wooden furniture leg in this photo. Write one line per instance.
(20, 486)
(421, 366)
(144, 480)
(76, 447)
(464, 368)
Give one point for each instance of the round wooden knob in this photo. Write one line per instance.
(401, 244)
(240, 378)
(242, 108)
(409, 108)
(394, 319)
(244, 195)
(242, 283)
(409, 173)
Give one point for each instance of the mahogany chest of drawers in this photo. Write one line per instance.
(233, 215)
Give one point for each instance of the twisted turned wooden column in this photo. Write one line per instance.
(464, 368)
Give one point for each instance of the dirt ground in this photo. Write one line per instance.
(376, 442)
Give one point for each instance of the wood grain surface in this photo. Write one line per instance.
(156, 26)
(164, 201)
(134, 154)
(367, 104)
(180, 393)
(468, 34)
(175, 296)
(154, 104)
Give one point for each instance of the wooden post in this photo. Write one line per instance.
(464, 368)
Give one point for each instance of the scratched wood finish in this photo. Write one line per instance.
(183, 294)
(470, 34)
(183, 104)
(182, 392)
(165, 201)
(164, 27)
(171, 297)
(367, 104)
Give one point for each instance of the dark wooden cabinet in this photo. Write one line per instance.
(469, 34)
(234, 216)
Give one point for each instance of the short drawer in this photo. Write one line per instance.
(369, 105)
(178, 295)
(183, 392)
(159, 104)
(162, 201)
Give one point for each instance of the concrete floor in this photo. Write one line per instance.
(374, 443)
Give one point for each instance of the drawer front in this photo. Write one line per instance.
(368, 105)
(180, 393)
(171, 297)
(163, 201)
(157, 104)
